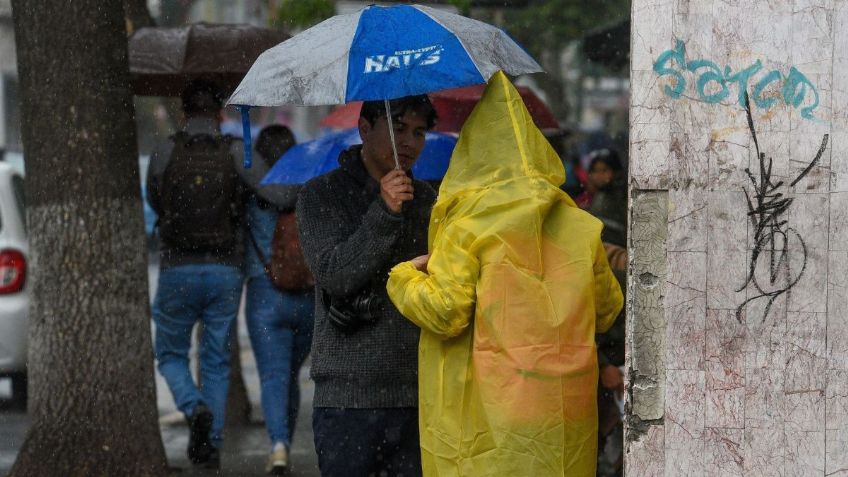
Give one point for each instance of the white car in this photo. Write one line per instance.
(14, 289)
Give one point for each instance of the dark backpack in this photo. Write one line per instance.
(200, 194)
(286, 267)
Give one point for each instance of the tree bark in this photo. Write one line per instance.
(92, 393)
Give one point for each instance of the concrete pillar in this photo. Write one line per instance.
(738, 305)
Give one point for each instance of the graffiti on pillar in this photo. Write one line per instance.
(713, 84)
(774, 240)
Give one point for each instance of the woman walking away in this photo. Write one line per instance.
(279, 320)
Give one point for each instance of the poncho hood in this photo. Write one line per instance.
(498, 143)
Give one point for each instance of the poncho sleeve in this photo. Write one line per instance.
(608, 297)
(442, 300)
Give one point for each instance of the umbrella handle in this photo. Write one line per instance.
(245, 127)
(391, 132)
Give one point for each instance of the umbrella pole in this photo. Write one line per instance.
(391, 132)
(246, 137)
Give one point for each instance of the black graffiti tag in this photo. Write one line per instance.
(773, 238)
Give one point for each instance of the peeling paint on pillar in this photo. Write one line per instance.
(646, 374)
(646, 330)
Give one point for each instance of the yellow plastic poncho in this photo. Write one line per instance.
(517, 286)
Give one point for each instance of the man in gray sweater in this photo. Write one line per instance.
(356, 223)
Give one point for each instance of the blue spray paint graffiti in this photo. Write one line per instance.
(713, 84)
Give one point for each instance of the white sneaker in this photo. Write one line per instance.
(278, 461)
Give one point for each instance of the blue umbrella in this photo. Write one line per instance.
(311, 159)
(379, 53)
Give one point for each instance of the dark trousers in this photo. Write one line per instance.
(367, 442)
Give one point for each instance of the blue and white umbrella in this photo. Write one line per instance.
(380, 53)
(311, 159)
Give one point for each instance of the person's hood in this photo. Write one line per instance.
(499, 142)
(502, 164)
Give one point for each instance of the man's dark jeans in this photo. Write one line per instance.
(366, 442)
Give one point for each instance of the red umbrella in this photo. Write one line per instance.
(453, 107)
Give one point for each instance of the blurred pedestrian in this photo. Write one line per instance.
(279, 318)
(508, 303)
(611, 386)
(575, 177)
(608, 200)
(194, 186)
(356, 222)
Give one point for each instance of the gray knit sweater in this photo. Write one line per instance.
(351, 240)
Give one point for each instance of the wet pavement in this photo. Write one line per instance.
(245, 448)
(13, 426)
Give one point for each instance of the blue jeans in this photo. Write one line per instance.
(280, 328)
(185, 295)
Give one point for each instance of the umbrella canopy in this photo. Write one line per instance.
(311, 159)
(453, 107)
(380, 53)
(164, 60)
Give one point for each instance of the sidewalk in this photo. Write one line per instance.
(245, 448)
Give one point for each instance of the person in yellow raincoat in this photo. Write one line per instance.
(516, 286)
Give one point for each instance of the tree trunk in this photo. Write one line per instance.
(92, 396)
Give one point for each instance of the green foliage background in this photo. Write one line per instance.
(547, 28)
(545, 25)
(297, 14)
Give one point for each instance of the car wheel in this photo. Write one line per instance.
(19, 390)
